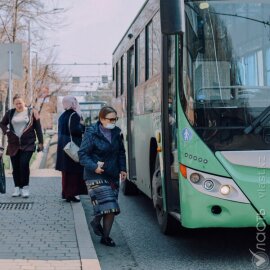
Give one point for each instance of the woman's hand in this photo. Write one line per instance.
(1, 151)
(98, 170)
(40, 147)
(123, 175)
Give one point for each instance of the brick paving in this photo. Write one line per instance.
(51, 235)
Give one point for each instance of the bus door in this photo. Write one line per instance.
(130, 112)
(170, 123)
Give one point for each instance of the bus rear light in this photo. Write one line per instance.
(183, 170)
(225, 189)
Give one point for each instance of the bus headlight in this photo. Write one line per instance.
(208, 184)
(195, 178)
(225, 189)
(214, 185)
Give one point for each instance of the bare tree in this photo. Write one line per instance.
(46, 76)
(15, 18)
(16, 14)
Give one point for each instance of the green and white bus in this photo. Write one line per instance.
(192, 90)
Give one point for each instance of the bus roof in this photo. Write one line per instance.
(131, 25)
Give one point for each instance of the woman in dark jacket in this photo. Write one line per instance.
(103, 156)
(22, 126)
(72, 172)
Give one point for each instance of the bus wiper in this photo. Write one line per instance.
(259, 121)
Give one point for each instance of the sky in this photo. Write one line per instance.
(93, 30)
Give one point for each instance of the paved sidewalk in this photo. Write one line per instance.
(44, 232)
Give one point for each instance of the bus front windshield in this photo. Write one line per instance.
(226, 73)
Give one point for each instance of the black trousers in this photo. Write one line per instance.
(21, 171)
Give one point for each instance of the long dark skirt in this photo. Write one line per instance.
(73, 185)
(103, 196)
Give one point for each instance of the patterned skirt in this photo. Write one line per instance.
(103, 196)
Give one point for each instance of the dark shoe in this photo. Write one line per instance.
(97, 228)
(72, 199)
(107, 241)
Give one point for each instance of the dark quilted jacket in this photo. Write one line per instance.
(95, 147)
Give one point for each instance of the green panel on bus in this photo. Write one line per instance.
(196, 210)
(254, 182)
(193, 152)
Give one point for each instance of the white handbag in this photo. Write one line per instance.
(71, 149)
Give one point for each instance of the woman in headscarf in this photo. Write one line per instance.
(72, 172)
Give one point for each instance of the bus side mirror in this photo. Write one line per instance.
(172, 16)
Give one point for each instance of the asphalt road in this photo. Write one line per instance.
(140, 245)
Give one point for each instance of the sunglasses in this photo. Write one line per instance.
(112, 119)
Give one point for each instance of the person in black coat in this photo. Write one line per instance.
(103, 156)
(72, 172)
(22, 127)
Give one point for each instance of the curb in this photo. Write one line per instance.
(89, 260)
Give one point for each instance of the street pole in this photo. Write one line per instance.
(10, 84)
(30, 65)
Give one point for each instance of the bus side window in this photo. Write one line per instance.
(122, 76)
(149, 51)
(156, 44)
(117, 80)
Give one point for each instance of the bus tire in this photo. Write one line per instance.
(129, 188)
(167, 224)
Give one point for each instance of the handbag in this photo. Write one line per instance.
(2, 173)
(71, 149)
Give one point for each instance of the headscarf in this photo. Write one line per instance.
(70, 102)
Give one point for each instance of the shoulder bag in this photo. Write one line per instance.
(71, 149)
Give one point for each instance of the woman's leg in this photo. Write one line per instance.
(97, 219)
(95, 223)
(25, 167)
(107, 223)
(15, 160)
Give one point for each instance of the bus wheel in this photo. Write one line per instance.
(129, 188)
(166, 222)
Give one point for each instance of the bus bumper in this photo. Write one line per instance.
(199, 210)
